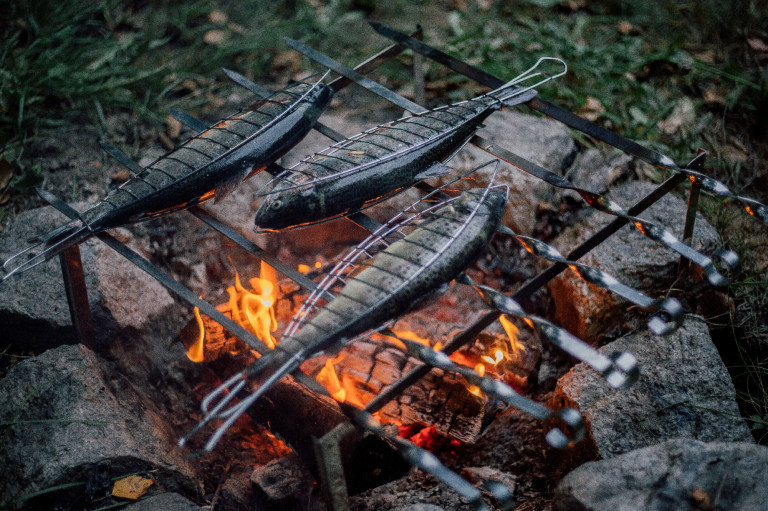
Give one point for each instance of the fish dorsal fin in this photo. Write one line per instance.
(434, 170)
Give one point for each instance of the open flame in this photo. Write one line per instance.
(255, 309)
(252, 309)
(196, 353)
(330, 380)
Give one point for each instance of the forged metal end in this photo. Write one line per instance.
(499, 490)
(560, 440)
(669, 317)
(723, 260)
(623, 372)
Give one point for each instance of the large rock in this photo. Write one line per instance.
(33, 305)
(678, 474)
(586, 310)
(684, 390)
(545, 142)
(69, 413)
(163, 502)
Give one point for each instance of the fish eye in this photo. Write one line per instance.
(276, 204)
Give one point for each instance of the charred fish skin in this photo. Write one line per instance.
(438, 249)
(208, 166)
(373, 164)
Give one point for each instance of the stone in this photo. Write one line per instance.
(588, 311)
(684, 391)
(680, 474)
(545, 142)
(33, 305)
(69, 413)
(163, 502)
(595, 171)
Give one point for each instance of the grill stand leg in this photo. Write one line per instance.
(330, 468)
(77, 295)
(690, 214)
(418, 73)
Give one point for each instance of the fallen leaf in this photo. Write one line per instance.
(713, 98)
(173, 126)
(131, 487)
(5, 197)
(217, 17)
(758, 45)
(120, 175)
(683, 115)
(591, 109)
(6, 173)
(214, 37)
(627, 28)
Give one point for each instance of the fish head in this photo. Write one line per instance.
(491, 201)
(287, 208)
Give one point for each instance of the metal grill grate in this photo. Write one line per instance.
(77, 293)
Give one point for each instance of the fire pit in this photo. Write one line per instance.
(374, 375)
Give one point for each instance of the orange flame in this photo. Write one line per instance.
(512, 332)
(328, 378)
(474, 389)
(255, 309)
(412, 336)
(196, 353)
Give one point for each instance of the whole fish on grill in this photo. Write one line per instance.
(368, 167)
(208, 166)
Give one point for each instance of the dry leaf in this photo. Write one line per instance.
(6, 173)
(758, 45)
(592, 109)
(713, 98)
(627, 28)
(683, 115)
(214, 37)
(173, 126)
(131, 487)
(120, 175)
(217, 17)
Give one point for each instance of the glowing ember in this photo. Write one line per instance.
(196, 352)
(305, 268)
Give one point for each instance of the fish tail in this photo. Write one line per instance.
(522, 87)
(49, 245)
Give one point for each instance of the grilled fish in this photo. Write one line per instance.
(368, 167)
(439, 248)
(208, 166)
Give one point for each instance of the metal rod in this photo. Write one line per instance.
(690, 212)
(77, 295)
(690, 222)
(418, 74)
(331, 468)
(471, 333)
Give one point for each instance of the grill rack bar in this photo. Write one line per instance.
(74, 276)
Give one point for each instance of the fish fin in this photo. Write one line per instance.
(434, 170)
(520, 98)
(225, 188)
(52, 243)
